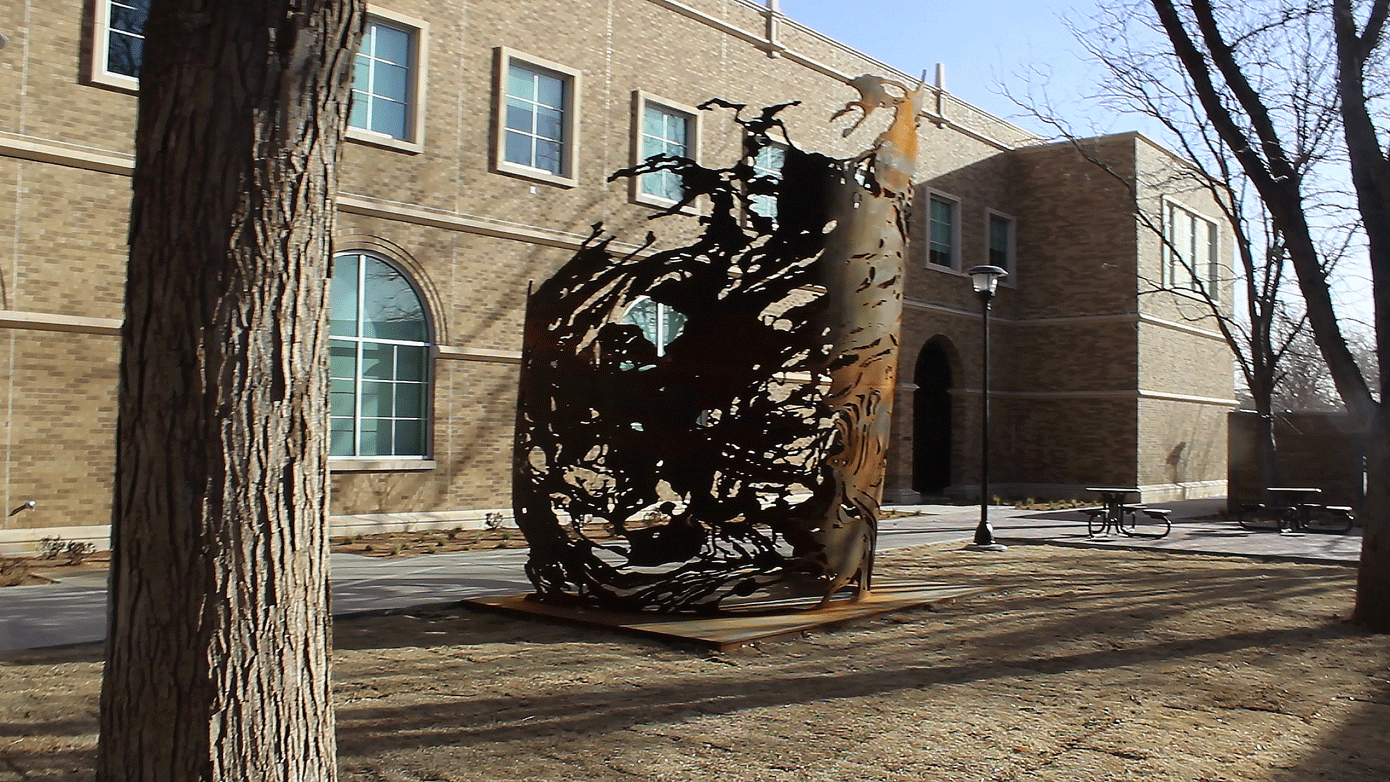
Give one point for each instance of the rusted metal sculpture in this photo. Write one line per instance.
(738, 454)
(862, 270)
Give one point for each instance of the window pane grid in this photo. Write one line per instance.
(664, 132)
(125, 38)
(381, 81)
(379, 387)
(660, 324)
(1001, 230)
(1192, 258)
(941, 241)
(768, 164)
(535, 119)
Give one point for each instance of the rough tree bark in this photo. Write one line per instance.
(217, 651)
(1370, 174)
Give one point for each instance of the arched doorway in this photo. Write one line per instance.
(931, 419)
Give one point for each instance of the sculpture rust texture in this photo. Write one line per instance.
(733, 451)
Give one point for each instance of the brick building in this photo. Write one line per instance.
(478, 159)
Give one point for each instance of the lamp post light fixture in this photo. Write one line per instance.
(985, 279)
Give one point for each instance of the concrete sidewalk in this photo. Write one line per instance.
(73, 612)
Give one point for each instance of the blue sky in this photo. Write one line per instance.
(992, 45)
(983, 43)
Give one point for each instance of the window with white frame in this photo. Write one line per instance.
(118, 42)
(768, 164)
(663, 130)
(537, 128)
(1191, 257)
(1001, 241)
(660, 323)
(943, 231)
(388, 83)
(379, 347)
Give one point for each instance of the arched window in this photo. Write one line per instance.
(378, 361)
(660, 323)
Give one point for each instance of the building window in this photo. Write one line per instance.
(118, 43)
(388, 84)
(378, 361)
(387, 81)
(1190, 252)
(665, 131)
(537, 104)
(767, 164)
(1001, 241)
(660, 323)
(661, 127)
(943, 240)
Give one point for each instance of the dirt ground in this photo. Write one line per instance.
(1088, 665)
(32, 570)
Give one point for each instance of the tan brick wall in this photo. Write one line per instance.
(68, 231)
(50, 94)
(1069, 442)
(1179, 362)
(61, 437)
(1078, 247)
(1076, 232)
(1182, 443)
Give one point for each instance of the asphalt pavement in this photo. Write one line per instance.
(72, 611)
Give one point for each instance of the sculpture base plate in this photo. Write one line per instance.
(730, 631)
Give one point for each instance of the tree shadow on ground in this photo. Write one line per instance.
(599, 710)
(1351, 750)
(479, 680)
(1125, 609)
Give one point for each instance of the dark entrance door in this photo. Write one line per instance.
(931, 421)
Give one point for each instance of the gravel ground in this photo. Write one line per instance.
(1086, 665)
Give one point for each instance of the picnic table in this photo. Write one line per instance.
(1111, 515)
(1296, 509)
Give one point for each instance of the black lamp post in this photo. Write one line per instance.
(985, 279)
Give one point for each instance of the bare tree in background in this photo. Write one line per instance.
(217, 649)
(1139, 75)
(1229, 81)
(1303, 383)
(1364, 348)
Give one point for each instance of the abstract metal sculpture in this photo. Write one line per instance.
(738, 456)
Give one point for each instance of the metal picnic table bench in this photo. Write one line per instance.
(1116, 515)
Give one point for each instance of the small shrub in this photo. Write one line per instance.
(79, 550)
(74, 551)
(50, 548)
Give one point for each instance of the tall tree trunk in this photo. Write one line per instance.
(217, 650)
(1373, 578)
(1263, 157)
(1266, 453)
(1370, 174)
